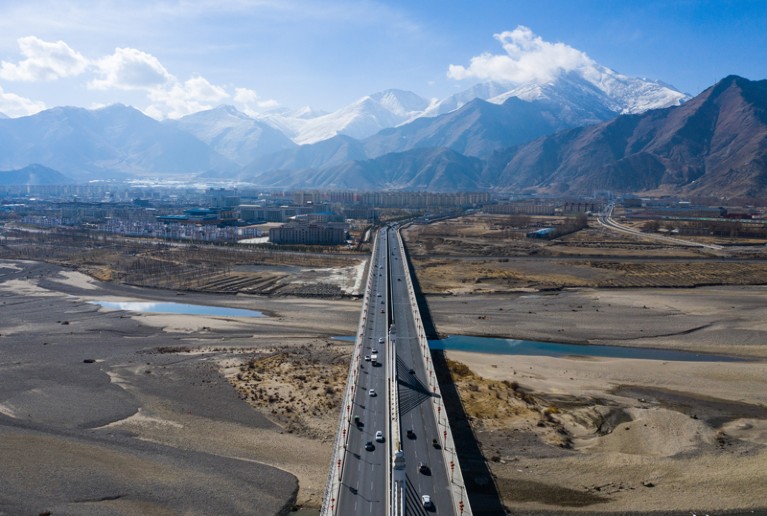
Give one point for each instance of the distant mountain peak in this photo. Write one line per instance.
(229, 110)
(360, 119)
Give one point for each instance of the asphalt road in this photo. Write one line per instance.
(364, 479)
(416, 398)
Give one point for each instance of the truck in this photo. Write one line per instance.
(374, 358)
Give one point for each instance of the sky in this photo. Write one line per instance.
(170, 58)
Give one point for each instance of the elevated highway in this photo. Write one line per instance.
(414, 454)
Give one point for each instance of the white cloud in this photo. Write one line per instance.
(14, 105)
(248, 101)
(130, 69)
(528, 58)
(183, 98)
(45, 61)
(125, 70)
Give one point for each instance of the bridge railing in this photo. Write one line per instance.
(333, 482)
(395, 429)
(450, 456)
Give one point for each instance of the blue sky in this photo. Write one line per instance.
(172, 57)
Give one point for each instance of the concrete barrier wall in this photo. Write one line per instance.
(457, 485)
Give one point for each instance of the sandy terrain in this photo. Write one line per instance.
(616, 435)
(124, 413)
(610, 435)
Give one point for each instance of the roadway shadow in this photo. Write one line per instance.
(413, 503)
(481, 488)
(411, 391)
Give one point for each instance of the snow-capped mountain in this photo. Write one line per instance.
(360, 119)
(233, 134)
(597, 88)
(588, 91)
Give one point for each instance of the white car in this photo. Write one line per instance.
(379, 436)
(380, 340)
(372, 392)
(367, 358)
(426, 501)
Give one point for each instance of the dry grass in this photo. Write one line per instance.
(494, 405)
(481, 254)
(301, 388)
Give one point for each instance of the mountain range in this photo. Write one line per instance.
(714, 144)
(576, 134)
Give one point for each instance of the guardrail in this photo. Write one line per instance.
(333, 482)
(450, 456)
(396, 478)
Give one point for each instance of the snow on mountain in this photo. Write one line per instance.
(360, 119)
(591, 89)
(233, 134)
(616, 92)
(482, 91)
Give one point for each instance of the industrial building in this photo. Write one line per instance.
(309, 233)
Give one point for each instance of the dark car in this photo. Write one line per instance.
(410, 434)
(412, 371)
(369, 446)
(436, 444)
(423, 468)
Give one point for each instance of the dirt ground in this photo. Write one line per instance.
(481, 254)
(106, 410)
(595, 435)
(572, 434)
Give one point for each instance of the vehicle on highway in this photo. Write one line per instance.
(379, 294)
(412, 371)
(423, 468)
(380, 340)
(383, 311)
(379, 436)
(357, 421)
(374, 351)
(410, 433)
(367, 358)
(436, 444)
(369, 446)
(374, 359)
(426, 501)
(372, 392)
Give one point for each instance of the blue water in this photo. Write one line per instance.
(552, 349)
(178, 308)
